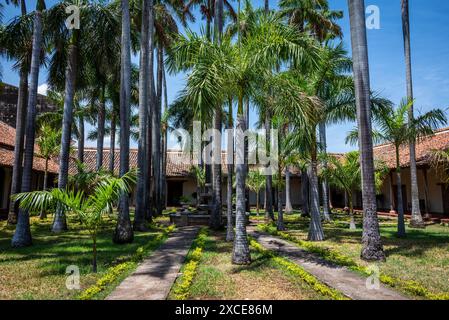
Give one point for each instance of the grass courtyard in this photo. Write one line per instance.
(421, 257)
(217, 278)
(39, 271)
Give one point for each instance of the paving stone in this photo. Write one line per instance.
(340, 278)
(155, 276)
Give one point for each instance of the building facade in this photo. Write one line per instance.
(433, 189)
(7, 145)
(8, 104)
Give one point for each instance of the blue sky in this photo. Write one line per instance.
(429, 27)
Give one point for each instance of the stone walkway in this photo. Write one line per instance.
(347, 282)
(155, 276)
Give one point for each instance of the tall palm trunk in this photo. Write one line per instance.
(269, 178)
(215, 218)
(305, 193)
(112, 142)
(164, 143)
(81, 136)
(209, 21)
(148, 156)
(247, 191)
(164, 168)
(139, 218)
(269, 215)
(417, 220)
(280, 222)
(156, 136)
(123, 231)
(60, 221)
(101, 128)
(325, 186)
(352, 225)
(43, 214)
(22, 234)
(20, 133)
(230, 167)
(257, 202)
(19, 140)
(372, 249)
(401, 222)
(151, 110)
(288, 202)
(316, 230)
(241, 254)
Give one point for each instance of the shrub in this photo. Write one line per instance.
(182, 286)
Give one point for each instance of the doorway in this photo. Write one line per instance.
(174, 193)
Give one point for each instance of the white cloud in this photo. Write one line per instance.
(42, 89)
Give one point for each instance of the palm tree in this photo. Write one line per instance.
(207, 9)
(22, 234)
(345, 174)
(215, 220)
(230, 168)
(70, 69)
(124, 232)
(21, 43)
(269, 179)
(372, 249)
(294, 102)
(235, 68)
(416, 220)
(48, 143)
(255, 182)
(288, 202)
(313, 16)
(395, 128)
(316, 17)
(90, 209)
(139, 218)
(18, 38)
(60, 223)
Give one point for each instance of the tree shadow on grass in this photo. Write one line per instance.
(53, 253)
(416, 244)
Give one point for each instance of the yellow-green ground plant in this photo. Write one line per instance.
(182, 285)
(411, 287)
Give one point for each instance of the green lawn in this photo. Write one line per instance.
(218, 278)
(38, 272)
(422, 257)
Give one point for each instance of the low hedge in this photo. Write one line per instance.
(182, 285)
(113, 273)
(299, 272)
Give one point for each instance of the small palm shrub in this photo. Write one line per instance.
(89, 209)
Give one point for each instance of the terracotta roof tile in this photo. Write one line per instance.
(7, 142)
(179, 163)
(438, 141)
(7, 135)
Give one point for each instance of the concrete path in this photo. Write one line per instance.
(155, 276)
(344, 280)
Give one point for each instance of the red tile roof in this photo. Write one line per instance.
(7, 142)
(7, 135)
(438, 141)
(179, 163)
